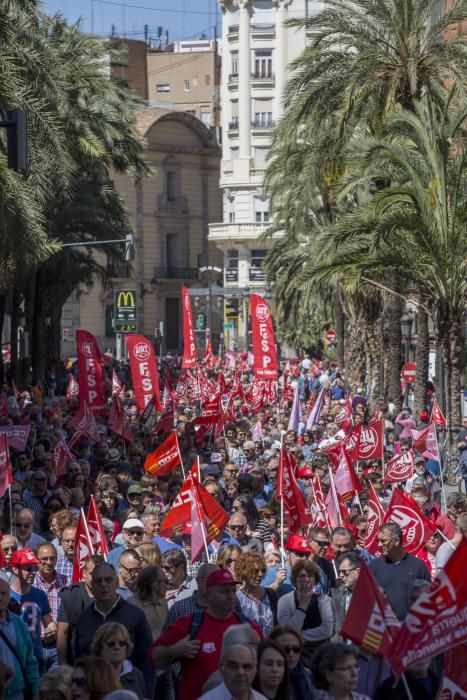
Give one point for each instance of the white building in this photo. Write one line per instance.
(257, 46)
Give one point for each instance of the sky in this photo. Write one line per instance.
(184, 19)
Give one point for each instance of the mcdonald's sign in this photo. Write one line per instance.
(125, 311)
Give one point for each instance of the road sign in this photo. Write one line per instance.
(408, 372)
(125, 311)
(228, 326)
(330, 336)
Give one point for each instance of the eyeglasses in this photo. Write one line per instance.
(112, 644)
(345, 572)
(166, 567)
(138, 533)
(229, 562)
(321, 543)
(30, 569)
(134, 569)
(237, 527)
(80, 681)
(9, 548)
(289, 650)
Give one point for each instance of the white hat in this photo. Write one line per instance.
(132, 522)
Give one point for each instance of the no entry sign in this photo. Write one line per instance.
(408, 372)
(330, 336)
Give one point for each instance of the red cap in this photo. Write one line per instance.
(305, 473)
(424, 416)
(24, 557)
(221, 577)
(187, 529)
(297, 543)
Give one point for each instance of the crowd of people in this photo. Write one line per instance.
(248, 618)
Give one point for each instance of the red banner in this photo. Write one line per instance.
(60, 457)
(296, 510)
(416, 528)
(374, 521)
(144, 371)
(189, 345)
(436, 621)
(4, 410)
(83, 548)
(454, 679)
(5, 466)
(72, 389)
(96, 530)
(17, 435)
(264, 345)
(371, 443)
(370, 621)
(212, 524)
(84, 425)
(164, 458)
(118, 422)
(400, 468)
(117, 389)
(437, 414)
(91, 386)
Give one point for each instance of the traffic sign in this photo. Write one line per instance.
(330, 336)
(409, 371)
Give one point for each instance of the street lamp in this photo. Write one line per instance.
(210, 269)
(406, 322)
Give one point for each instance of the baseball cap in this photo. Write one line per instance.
(296, 543)
(216, 457)
(305, 473)
(135, 488)
(220, 578)
(132, 522)
(113, 455)
(24, 557)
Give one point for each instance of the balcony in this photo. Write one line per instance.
(233, 124)
(262, 79)
(233, 32)
(117, 268)
(233, 80)
(236, 232)
(175, 273)
(263, 30)
(262, 124)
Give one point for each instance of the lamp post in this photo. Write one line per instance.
(209, 269)
(406, 322)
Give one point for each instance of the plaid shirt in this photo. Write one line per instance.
(181, 608)
(51, 590)
(65, 567)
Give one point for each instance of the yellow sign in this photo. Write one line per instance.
(125, 311)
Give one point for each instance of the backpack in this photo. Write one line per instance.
(197, 621)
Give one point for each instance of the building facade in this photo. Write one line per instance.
(171, 212)
(257, 46)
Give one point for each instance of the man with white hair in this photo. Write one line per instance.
(238, 670)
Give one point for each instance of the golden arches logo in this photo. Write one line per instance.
(125, 299)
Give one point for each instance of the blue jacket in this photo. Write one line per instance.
(25, 651)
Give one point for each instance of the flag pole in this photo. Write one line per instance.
(200, 518)
(11, 510)
(282, 508)
(85, 524)
(406, 687)
(180, 458)
(443, 492)
(334, 495)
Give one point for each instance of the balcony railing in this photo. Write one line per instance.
(262, 76)
(231, 274)
(233, 29)
(262, 28)
(176, 273)
(233, 123)
(257, 274)
(233, 78)
(262, 123)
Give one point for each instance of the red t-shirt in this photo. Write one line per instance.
(447, 527)
(195, 672)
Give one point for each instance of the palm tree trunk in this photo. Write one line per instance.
(372, 364)
(38, 339)
(340, 328)
(356, 354)
(422, 360)
(14, 359)
(452, 349)
(393, 315)
(3, 298)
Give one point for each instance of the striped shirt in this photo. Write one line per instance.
(65, 567)
(51, 590)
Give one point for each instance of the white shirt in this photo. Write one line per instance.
(222, 693)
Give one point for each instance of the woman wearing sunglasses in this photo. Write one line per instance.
(93, 678)
(112, 643)
(291, 641)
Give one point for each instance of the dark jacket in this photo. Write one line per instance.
(138, 628)
(386, 691)
(73, 600)
(133, 680)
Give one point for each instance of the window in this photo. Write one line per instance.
(234, 63)
(163, 87)
(172, 186)
(262, 119)
(262, 112)
(257, 258)
(262, 67)
(186, 85)
(313, 7)
(231, 265)
(261, 210)
(231, 210)
(206, 118)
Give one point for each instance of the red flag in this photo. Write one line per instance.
(117, 389)
(345, 413)
(201, 520)
(436, 621)
(370, 621)
(83, 548)
(118, 422)
(60, 457)
(437, 414)
(264, 345)
(209, 358)
(374, 520)
(255, 396)
(416, 528)
(426, 442)
(144, 372)
(198, 529)
(371, 443)
(84, 424)
(189, 345)
(296, 510)
(318, 507)
(164, 458)
(72, 389)
(165, 422)
(180, 510)
(91, 385)
(4, 410)
(5, 465)
(454, 679)
(345, 478)
(400, 468)
(96, 530)
(56, 410)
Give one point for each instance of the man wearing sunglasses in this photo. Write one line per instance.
(348, 569)
(35, 607)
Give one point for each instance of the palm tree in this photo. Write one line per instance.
(367, 58)
(415, 226)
